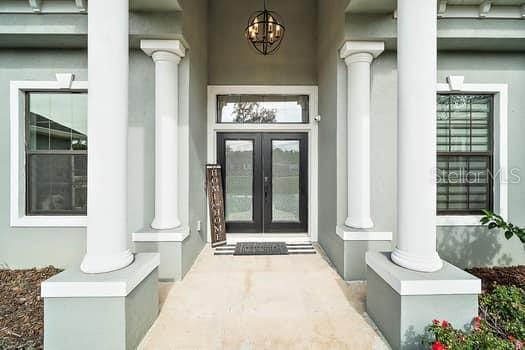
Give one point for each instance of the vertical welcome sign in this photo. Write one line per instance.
(216, 204)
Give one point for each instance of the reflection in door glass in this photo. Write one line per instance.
(239, 179)
(285, 180)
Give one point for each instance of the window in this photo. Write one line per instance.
(464, 153)
(262, 109)
(56, 153)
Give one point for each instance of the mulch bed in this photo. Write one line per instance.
(21, 308)
(492, 276)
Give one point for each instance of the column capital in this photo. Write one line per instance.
(352, 47)
(171, 47)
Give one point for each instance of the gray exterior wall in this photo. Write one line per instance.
(463, 246)
(194, 25)
(38, 246)
(232, 61)
(29, 247)
(331, 75)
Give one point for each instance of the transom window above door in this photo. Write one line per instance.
(262, 109)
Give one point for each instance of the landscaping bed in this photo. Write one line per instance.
(504, 276)
(21, 308)
(501, 320)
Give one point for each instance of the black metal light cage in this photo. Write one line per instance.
(265, 31)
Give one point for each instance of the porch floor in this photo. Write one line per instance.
(263, 302)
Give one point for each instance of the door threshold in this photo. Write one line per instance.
(233, 238)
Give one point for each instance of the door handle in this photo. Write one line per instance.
(266, 184)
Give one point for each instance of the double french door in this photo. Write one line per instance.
(265, 178)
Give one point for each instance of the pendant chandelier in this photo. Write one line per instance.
(265, 31)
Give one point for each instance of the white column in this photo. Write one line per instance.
(167, 55)
(108, 61)
(416, 136)
(358, 56)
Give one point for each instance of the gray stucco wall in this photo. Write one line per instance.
(462, 246)
(232, 61)
(331, 75)
(38, 246)
(195, 29)
(28, 247)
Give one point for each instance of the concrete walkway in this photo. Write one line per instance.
(263, 302)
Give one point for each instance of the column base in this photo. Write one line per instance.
(359, 223)
(106, 263)
(111, 311)
(426, 263)
(356, 244)
(158, 224)
(403, 302)
(168, 243)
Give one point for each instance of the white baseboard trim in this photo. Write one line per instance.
(350, 234)
(178, 234)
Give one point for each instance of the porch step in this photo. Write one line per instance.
(293, 248)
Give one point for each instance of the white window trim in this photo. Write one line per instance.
(18, 215)
(310, 128)
(456, 85)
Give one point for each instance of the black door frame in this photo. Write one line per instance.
(256, 225)
(261, 190)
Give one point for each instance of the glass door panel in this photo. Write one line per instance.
(239, 157)
(285, 167)
(285, 180)
(239, 180)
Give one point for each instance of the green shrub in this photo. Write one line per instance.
(493, 221)
(500, 326)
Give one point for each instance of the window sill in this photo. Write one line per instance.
(458, 220)
(49, 221)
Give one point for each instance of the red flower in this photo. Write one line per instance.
(445, 324)
(438, 346)
(477, 322)
(511, 338)
(436, 322)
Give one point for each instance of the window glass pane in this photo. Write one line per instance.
(262, 109)
(57, 121)
(57, 184)
(239, 180)
(285, 180)
(463, 183)
(463, 123)
(464, 145)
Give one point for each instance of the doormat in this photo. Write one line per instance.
(261, 248)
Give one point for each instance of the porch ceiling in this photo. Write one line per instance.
(73, 6)
(388, 6)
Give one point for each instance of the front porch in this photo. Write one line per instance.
(268, 302)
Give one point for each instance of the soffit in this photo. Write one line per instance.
(79, 6)
(388, 6)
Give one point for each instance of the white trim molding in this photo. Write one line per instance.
(310, 128)
(455, 84)
(348, 234)
(64, 82)
(449, 280)
(178, 234)
(73, 283)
